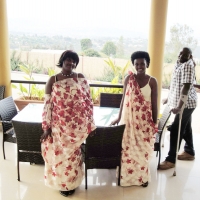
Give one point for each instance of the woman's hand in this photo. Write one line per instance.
(45, 135)
(115, 122)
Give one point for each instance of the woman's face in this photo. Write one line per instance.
(68, 64)
(140, 65)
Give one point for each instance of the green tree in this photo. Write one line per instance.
(91, 53)
(109, 48)
(86, 44)
(180, 36)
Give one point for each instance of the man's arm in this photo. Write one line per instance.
(197, 86)
(184, 91)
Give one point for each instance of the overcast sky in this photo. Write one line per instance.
(96, 17)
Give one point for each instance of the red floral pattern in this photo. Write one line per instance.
(68, 111)
(138, 139)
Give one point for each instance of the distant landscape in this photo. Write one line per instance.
(119, 49)
(28, 42)
(125, 46)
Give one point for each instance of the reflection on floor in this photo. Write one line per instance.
(102, 183)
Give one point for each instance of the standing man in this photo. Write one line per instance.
(181, 85)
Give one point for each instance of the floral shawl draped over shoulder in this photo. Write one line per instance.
(138, 139)
(68, 111)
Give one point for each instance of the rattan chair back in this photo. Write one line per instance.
(110, 100)
(7, 112)
(161, 126)
(2, 91)
(28, 142)
(103, 149)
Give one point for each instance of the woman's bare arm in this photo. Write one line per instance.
(122, 102)
(48, 89)
(154, 98)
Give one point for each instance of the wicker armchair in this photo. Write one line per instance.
(2, 90)
(7, 112)
(110, 100)
(161, 126)
(103, 149)
(28, 143)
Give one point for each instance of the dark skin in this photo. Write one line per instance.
(197, 86)
(67, 69)
(142, 78)
(184, 56)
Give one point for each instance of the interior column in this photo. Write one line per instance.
(5, 72)
(156, 43)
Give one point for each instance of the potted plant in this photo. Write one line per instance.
(29, 93)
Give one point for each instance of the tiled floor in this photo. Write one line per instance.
(102, 183)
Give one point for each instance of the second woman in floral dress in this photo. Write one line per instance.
(138, 111)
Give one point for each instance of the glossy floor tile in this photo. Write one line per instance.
(102, 183)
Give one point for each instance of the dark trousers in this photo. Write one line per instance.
(185, 133)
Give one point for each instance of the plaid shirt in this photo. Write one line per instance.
(183, 73)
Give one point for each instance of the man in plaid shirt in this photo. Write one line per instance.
(181, 85)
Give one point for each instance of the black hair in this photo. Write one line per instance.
(188, 49)
(68, 54)
(140, 54)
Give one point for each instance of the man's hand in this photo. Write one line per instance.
(176, 110)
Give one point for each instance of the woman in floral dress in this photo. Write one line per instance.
(67, 121)
(138, 111)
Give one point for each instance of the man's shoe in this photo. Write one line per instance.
(185, 156)
(166, 165)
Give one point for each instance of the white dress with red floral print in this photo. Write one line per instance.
(138, 139)
(68, 111)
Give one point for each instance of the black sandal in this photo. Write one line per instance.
(145, 184)
(70, 192)
(67, 193)
(64, 193)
